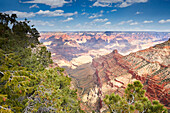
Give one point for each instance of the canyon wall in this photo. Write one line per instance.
(112, 72)
(97, 70)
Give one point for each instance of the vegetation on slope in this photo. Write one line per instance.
(133, 100)
(25, 83)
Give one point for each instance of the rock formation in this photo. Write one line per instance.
(95, 75)
(66, 47)
(112, 72)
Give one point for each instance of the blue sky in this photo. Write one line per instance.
(92, 15)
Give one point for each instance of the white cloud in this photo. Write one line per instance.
(122, 22)
(137, 13)
(68, 19)
(106, 3)
(83, 13)
(100, 20)
(41, 12)
(146, 21)
(52, 3)
(95, 16)
(134, 23)
(21, 14)
(124, 4)
(107, 23)
(35, 5)
(136, 1)
(41, 23)
(113, 10)
(55, 13)
(125, 22)
(101, 5)
(101, 11)
(119, 3)
(130, 2)
(164, 21)
(129, 21)
(50, 13)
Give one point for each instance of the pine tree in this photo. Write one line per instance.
(25, 83)
(133, 100)
(53, 94)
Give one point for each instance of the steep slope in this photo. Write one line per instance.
(153, 71)
(112, 72)
(27, 83)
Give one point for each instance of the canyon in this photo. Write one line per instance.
(70, 48)
(112, 72)
(101, 63)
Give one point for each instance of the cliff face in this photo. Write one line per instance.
(151, 67)
(112, 72)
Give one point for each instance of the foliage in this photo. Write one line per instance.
(25, 83)
(53, 90)
(16, 83)
(133, 100)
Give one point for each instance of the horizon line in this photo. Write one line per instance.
(101, 31)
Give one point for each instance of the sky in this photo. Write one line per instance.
(92, 15)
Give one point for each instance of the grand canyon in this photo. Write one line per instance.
(101, 63)
(84, 56)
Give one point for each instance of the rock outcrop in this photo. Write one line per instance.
(112, 72)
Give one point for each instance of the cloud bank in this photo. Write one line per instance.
(117, 3)
(41, 12)
(52, 3)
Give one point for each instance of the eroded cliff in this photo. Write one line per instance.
(112, 72)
